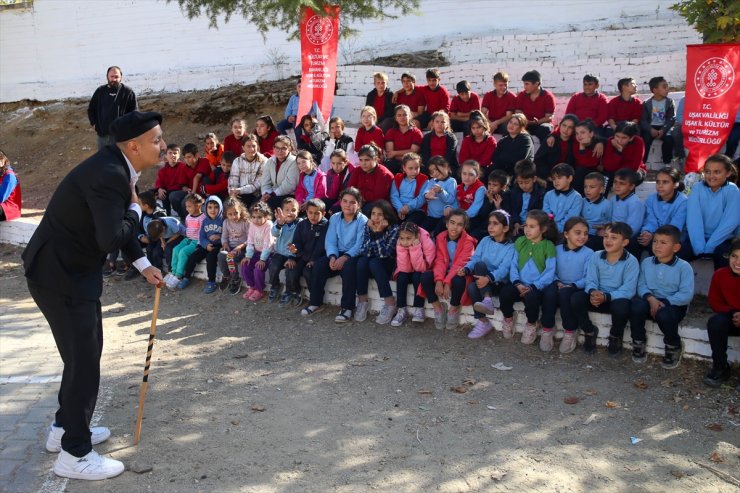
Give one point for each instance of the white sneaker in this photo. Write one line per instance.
(91, 467)
(361, 311)
(400, 318)
(386, 314)
(417, 315)
(98, 434)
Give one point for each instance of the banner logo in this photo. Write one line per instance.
(714, 77)
(319, 29)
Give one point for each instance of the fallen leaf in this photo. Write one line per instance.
(685, 407)
(666, 383)
(241, 356)
(571, 399)
(459, 390)
(732, 411)
(591, 392)
(678, 474)
(498, 475)
(677, 398)
(258, 408)
(235, 422)
(714, 427)
(424, 392)
(473, 402)
(640, 384)
(470, 381)
(698, 391)
(715, 457)
(611, 404)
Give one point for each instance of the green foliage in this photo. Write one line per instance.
(717, 20)
(284, 15)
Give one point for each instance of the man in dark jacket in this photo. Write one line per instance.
(94, 210)
(108, 103)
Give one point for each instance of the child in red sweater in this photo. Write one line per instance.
(168, 176)
(480, 144)
(233, 141)
(369, 132)
(371, 178)
(437, 98)
(626, 107)
(624, 150)
(462, 107)
(499, 104)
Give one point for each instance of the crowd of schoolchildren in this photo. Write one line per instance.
(489, 225)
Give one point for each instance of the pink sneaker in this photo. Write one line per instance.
(248, 295)
(485, 306)
(529, 334)
(507, 327)
(481, 329)
(256, 295)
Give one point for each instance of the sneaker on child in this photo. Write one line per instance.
(547, 340)
(440, 317)
(672, 357)
(568, 342)
(481, 329)
(485, 306)
(361, 311)
(417, 315)
(529, 334)
(400, 318)
(638, 352)
(615, 346)
(386, 314)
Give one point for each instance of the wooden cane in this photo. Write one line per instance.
(145, 381)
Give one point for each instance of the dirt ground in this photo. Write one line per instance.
(245, 397)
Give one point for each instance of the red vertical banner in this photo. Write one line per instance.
(712, 100)
(319, 39)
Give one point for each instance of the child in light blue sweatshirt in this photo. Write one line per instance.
(597, 209)
(664, 290)
(713, 212)
(627, 207)
(667, 206)
(286, 220)
(439, 193)
(572, 258)
(532, 270)
(563, 202)
(489, 265)
(611, 282)
(407, 188)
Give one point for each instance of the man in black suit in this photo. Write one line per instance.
(94, 210)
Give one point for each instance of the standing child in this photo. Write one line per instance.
(490, 267)
(658, 118)
(497, 196)
(369, 132)
(259, 247)
(193, 222)
(406, 190)
(343, 244)
(447, 279)
(308, 246)
(627, 207)
(563, 202)
(471, 193)
(209, 244)
(337, 140)
(597, 209)
(376, 260)
(337, 179)
(440, 141)
(664, 290)
(532, 270)
(246, 172)
(571, 260)
(415, 252)
(667, 206)
(233, 243)
(439, 193)
(724, 298)
(480, 144)
(527, 194)
(311, 181)
(611, 282)
(286, 222)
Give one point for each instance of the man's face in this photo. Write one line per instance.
(147, 148)
(114, 77)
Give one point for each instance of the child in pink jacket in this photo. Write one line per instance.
(415, 253)
(311, 181)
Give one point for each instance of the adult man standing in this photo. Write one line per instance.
(108, 102)
(94, 210)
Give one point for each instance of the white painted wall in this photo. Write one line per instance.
(60, 48)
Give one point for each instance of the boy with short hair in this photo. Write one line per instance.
(563, 202)
(149, 211)
(411, 96)
(597, 210)
(189, 177)
(537, 104)
(217, 182)
(626, 107)
(461, 106)
(497, 197)
(627, 206)
(437, 98)
(658, 118)
(665, 288)
(308, 246)
(498, 105)
(611, 282)
(163, 234)
(527, 193)
(168, 176)
(590, 103)
(286, 221)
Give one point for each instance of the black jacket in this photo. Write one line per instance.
(106, 105)
(309, 239)
(86, 218)
(512, 202)
(388, 111)
(509, 151)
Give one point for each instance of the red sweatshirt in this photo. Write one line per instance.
(630, 157)
(480, 151)
(593, 107)
(544, 103)
(584, 158)
(364, 137)
(459, 106)
(373, 186)
(219, 184)
(233, 144)
(167, 177)
(187, 174)
(498, 106)
(413, 100)
(437, 100)
(620, 110)
(267, 143)
(724, 291)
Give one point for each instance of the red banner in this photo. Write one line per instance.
(712, 100)
(319, 38)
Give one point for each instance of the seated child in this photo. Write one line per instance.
(311, 181)
(368, 131)
(406, 190)
(233, 243)
(233, 141)
(515, 145)
(558, 148)
(259, 249)
(337, 179)
(436, 97)
(415, 252)
(724, 298)
(307, 247)
(167, 177)
(489, 267)
(279, 173)
(370, 178)
(532, 270)
(462, 106)
(150, 211)
(214, 150)
(377, 260)
(447, 279)
(163, 234)
(627, 207)
(312, 139)
(665, 288)
(209, 244)
(667, 206)
(291, 111)
(10, 191)
(563, 202)
(188, 177)
(588, 149)
(497, 197)
(471, 193)
(440, 141)
(286, 222)
(438, 194)
(343, 243)
(246, 172)
(410, 96)
(597, 209)
(537, 104)
(624, 150)
(611, 282)
(217, 182)
(380, 99)
(264, 129)
(571, 260)
(180, 254)
(498, 105)
(625, 107)
(480, 144)
(590, 103)
(527, 193)
(337, 140)
(402, 138)
(710, 220)
(658, 118)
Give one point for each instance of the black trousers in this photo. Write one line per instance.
(199, 254)
(457, 288)
(77, 326)
(156, 254)
(554, 297)
(619, 308)
(719, 329)
(322, 272)
(292, 276)
(402, 287)
(532, 302)
(667, 319)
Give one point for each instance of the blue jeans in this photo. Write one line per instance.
(379, 269)
(667, 319)
(322, 272)
(554, 297)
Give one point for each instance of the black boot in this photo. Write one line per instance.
(672, 357)
(638, 352)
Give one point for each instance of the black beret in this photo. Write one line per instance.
(133, 124)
